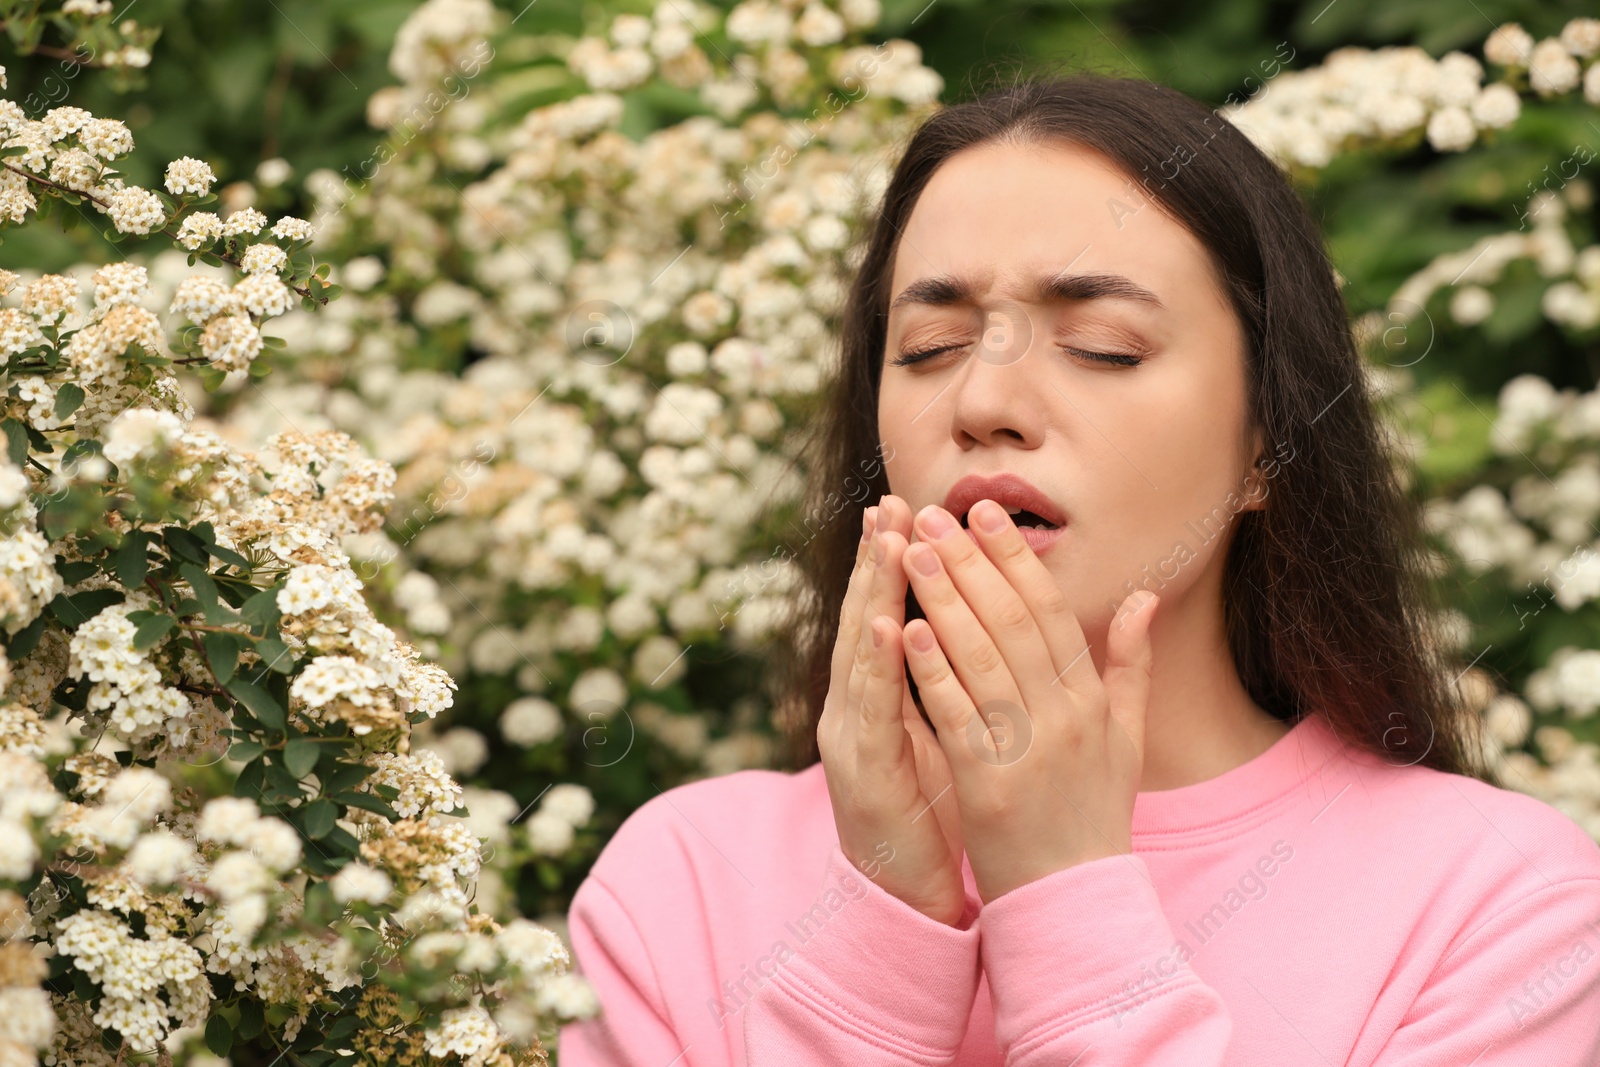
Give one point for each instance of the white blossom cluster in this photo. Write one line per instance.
(557, 506)
(1362, 96)
(152, 878)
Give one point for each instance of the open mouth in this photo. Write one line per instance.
(1020, 516)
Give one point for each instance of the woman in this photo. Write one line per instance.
(1057, 819)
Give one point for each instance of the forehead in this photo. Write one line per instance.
(1005, 213)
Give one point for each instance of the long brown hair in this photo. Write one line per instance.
(1327, 589)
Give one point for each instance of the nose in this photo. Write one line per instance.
(999, 391)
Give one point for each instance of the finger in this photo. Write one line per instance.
(886, 599)
(1006, 645)
(1003, 544)
(844, 646)
(880, 737)
(868, 611)
(948, 704)
(980, 666)
(1130, 659)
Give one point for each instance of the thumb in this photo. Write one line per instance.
(1129, 659)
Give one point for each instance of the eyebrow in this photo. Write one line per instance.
(944, 289)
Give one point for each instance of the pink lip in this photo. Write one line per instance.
(1008, 490)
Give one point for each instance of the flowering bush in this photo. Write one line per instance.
(237, 850)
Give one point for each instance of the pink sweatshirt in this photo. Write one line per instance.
(1312, 906)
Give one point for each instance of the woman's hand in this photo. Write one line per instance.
(1046, 756)
(887, 774)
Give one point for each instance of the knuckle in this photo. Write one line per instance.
(985, 659)
(1052, 601)
(1013, 617)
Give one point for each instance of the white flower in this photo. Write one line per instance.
(1471, 305)
(549, 834)
(357, 881)
(119, 283)
(293, 229)
(272, 841)
(189, 176)
(1451, 129)
(1509, 46)
(135, 210)
(199, 229)
(568, 801)
(18, 851)
(1581, 37)
(245, 220)
(160, 858)
(530, 721)
(236, 875)
(13, 485)
(263, 259)
(1497, 106)
(1552, 69)
(139, 432)
(232, 342)
(469, 1033)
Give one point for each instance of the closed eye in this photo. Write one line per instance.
(1117, 358)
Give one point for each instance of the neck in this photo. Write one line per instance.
(1200, 720)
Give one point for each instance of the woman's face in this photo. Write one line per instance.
(1147, 461)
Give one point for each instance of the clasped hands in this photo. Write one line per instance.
(1034, 758)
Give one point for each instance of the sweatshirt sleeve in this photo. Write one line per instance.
(632, 1029)
(879, 984)
(1082, 969)
(1524, 987)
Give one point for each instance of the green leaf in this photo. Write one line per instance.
(219, 1035)
(245, 751)
(79, 608)
(24, 640)
(275, 655)
(252, 1019)
(368, 802)
(184, 544)
(205, 590)
(319, 818)
(342, 1027)
(229, 556)
(260, 703)
(131, 561)
(223, 652)
(248, 784)
(68, 398)
(152, 630)
(300, 755)
(38, 441)
(262, 609)
(16, 441)
(76, 571)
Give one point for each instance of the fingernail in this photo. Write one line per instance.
(877, 637)
(877, 549)
(869, 522)
(990, 515)
(937, 522)
(924, 559)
